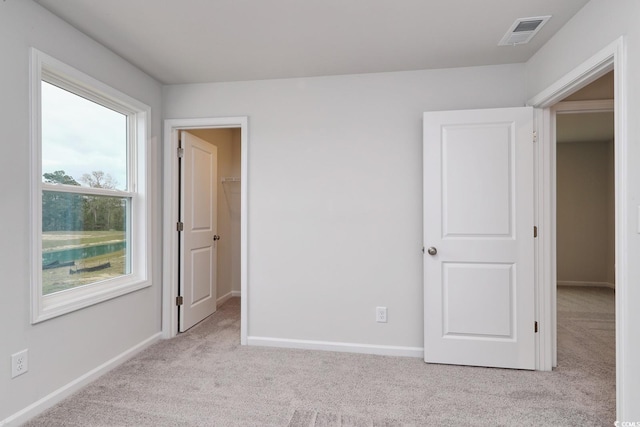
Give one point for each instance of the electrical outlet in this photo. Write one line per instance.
(19, 363)
(381, 314)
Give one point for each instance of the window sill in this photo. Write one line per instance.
(60, 303)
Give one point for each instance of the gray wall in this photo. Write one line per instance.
(63, 349)
(335, 193)
(585, 213)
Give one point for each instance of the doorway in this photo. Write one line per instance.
(219, 235)
(230, 136)
(585, 186)
(585, 189)
(227, 142)
(611, 58)
(585, 224)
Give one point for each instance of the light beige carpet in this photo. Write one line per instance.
(205, 378)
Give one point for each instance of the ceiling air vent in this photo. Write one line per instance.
(523, 30)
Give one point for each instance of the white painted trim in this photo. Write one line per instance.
(544, 244)
(574, 283)
(221, 300)
(621, 227)
(587, 72)
(577, 107)
(170, 253)
(170, 211)
(67, 390)
(382, 350)
(44, 307)
(226, 297)
(611, 57)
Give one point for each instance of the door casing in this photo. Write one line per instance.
(609, 58)
(171, 193)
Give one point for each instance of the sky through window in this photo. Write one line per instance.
(80, 136)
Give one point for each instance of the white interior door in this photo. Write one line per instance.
(198, 239)
(479, 238)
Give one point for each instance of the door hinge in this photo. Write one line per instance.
(180, 152)
(535, 231)
(179, 300)
(535, 327)
(180, 226)
(535, 136)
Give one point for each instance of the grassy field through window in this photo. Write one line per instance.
(76, 258)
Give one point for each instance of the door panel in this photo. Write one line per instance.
(198, 249)
(478, 215)
(201, 274)
(477, 299)
(471, 158)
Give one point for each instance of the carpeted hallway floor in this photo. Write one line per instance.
(205, 378)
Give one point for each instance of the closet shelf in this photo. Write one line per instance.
(230, 179)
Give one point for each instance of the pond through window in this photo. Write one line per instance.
(84, 234)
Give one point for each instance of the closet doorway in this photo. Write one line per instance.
(229, 136)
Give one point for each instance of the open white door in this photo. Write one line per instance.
(198, 239)
(478, 236)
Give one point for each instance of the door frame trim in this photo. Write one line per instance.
(171, 191)
(612, 57)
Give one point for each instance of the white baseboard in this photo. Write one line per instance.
(67, 390)
(223, 299)
(226, 296)
(587, 284)
(383, 350)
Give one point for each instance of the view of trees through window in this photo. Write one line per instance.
(85, 216)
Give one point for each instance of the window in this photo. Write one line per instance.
(89, 201)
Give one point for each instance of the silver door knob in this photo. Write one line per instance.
(432, 251)
(216, 237)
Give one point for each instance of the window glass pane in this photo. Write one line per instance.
(85, 239)
(82, 140)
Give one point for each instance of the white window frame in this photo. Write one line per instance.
(45, 307)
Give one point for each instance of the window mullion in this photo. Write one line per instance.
(93, 191)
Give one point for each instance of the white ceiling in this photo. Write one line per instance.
(195, 41)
